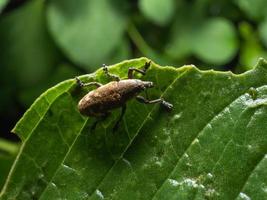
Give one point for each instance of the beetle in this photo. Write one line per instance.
(99, 102)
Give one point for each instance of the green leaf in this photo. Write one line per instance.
(8, 151)
(212, 145)
(255, 9)
(216, 41)
(158, 11)
(3, 3)
(87, 31)
(38, 109)
(26, 46)
(213, 40)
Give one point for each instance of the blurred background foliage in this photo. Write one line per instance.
(43, 42)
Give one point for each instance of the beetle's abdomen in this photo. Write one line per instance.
(109, 96)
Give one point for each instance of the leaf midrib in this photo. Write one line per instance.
(67, 153)
(144, 122)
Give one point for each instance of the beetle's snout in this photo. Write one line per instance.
(148, 84)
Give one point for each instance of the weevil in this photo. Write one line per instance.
(115, 94)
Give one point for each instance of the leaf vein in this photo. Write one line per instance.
(78, 134)
(131, 141)
(171, 172)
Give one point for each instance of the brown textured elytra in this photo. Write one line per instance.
(112, 95)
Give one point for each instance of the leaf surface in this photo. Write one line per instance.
(211, 145)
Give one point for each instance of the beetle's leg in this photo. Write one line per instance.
(166, 104)
(94, 125)
(141, 71)
(100, 119)
(82, 84)
(132, 69)
(113, 76)
(123, 109)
